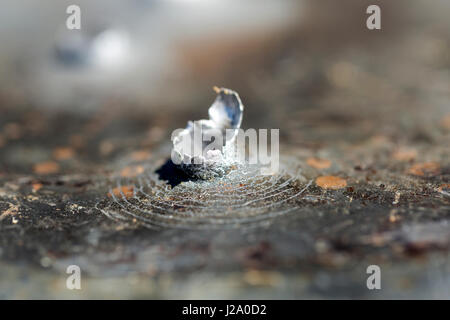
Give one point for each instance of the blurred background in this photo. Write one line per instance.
(154, 53)
(305, 58)
(146, 51)
(373, 103)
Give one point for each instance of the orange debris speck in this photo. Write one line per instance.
(426, 168)
(131, 171)
(393, 218)
(63, 153)
(36, 186)
(126, 190)
(47, 167)
(331, 182)
(443, 186)
(318, 163)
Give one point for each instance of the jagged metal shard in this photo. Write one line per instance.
(204, 149)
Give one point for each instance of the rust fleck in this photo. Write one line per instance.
(131, 171)
(47, 167)
(126, 190)
(426, 168)
(331, 182)
(443, 186)
(393, 217)
(318, 163)
(36, 186)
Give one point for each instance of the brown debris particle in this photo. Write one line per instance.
(443, 187)
(36, 186)
(63, 153)
(331, 182)
(126, 190)
(426, 168)
(47, 167)
(393, 216)
(318, 163)
(405, 154)
(132, 171)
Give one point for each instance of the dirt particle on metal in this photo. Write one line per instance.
(445, 187)
(127, 191)
(35, 187)
(132, 171)
(424, 169)
(318, 163)
(331, 182)
(47, 167)
(393, 216)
